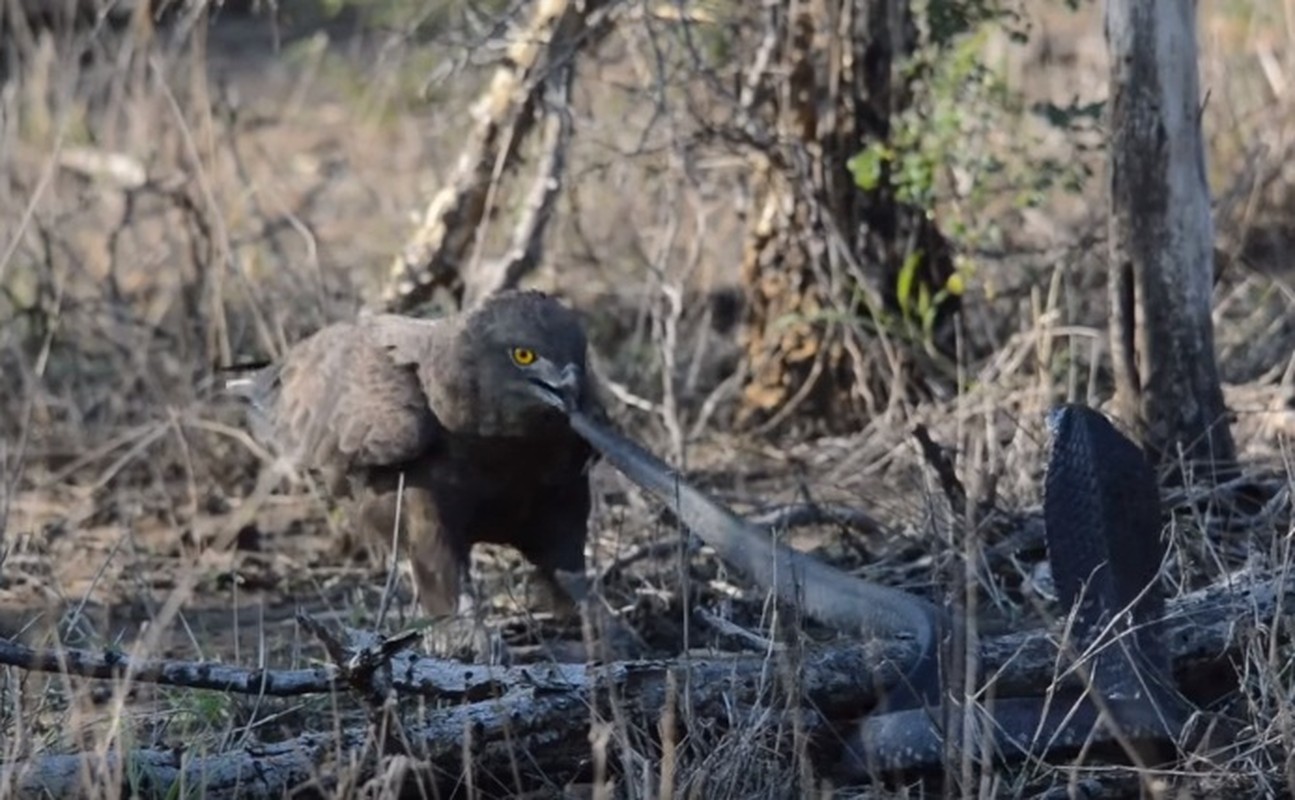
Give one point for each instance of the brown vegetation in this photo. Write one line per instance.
(181, 196)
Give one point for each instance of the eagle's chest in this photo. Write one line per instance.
(496, 481)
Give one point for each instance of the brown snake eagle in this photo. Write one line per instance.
(469, 409)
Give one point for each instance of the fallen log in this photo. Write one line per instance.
(545, 710)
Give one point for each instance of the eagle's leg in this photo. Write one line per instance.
(444, 588)
(600, 624)
(558, 555)
(438, 568)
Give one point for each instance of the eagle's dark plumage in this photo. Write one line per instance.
(468, 407)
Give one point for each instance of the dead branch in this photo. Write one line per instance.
(1206, 626)
(528, 236)
(937, 458)
(836, 670)
(115, 665)
(544, 710)
(541, 56)
(260, 772)
(799, 515)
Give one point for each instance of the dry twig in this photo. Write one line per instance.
(540, 60)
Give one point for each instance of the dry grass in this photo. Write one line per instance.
(275, 186)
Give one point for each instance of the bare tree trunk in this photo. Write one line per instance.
(1161, 236)
(823, 257)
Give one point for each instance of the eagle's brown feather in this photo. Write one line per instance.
(437, 401)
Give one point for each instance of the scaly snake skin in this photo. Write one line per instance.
(1102, 512)
(1101, 508)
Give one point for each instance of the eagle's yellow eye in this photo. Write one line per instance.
(523, 357)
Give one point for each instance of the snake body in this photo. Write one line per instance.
(1102, 515)
(1101, 509)
(825, 593)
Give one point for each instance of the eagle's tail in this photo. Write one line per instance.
(256, 387)
(249, 381)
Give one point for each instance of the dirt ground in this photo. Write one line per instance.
(298, 157)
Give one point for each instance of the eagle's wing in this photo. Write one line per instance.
(347, 396)
(407, 340)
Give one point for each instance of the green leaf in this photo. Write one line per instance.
(867, 166)
(904, 281)
(925, 307)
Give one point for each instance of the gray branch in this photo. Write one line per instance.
(528, 236)
(544, 710)
(115, 665)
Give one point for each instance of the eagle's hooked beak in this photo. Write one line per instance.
(558, 388)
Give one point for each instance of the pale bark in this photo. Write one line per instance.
(539, 66)
(1161, 236)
